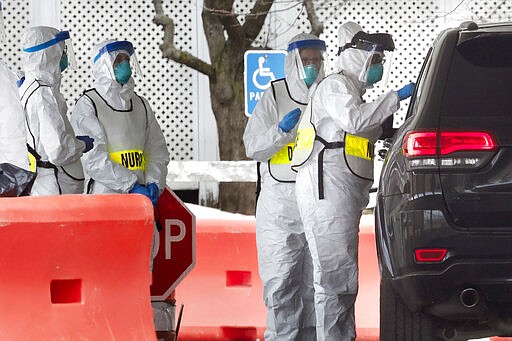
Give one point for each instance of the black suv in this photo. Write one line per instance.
(443, 215)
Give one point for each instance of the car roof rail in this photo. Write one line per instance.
(468, 25)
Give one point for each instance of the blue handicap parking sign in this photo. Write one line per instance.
(261, 68)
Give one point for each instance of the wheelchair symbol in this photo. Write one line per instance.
(262, 72)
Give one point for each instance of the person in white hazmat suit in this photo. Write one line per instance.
(54, 151)
(130, 153)
(284, 261)
(334, 159)
(13, 148)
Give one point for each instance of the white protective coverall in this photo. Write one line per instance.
(131, 120)
(332, 224)
(48, 129)
(283, 256)
(122, 125)
(13, 148)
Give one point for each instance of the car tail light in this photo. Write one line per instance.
(447, 149)
(452, 142)
(430, 255)
(420, 144)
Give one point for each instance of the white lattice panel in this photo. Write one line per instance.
(167, 85)
(489, 11)
(16, 21)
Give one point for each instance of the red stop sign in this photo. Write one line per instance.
(177, 249)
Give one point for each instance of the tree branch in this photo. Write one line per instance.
(255, 20)
(214, 31)
(228, 19)
(317, 27)
(170, 51)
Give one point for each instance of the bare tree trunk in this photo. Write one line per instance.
(228, 105)
(238, 197)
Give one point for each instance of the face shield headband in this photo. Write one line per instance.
(68, 48)
(310, 43)
(117, 46)
(61, 36)
(379, 42)
(295, 48)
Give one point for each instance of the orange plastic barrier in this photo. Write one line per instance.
(75, 267)
(223, 294)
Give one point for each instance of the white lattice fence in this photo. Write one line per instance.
(16, 21)
(166, 84)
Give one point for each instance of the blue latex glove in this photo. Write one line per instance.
(290, 120)
(139, 189)
(406, 91)
(88, 142)
(154, 192)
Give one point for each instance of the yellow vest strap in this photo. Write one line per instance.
(359, 147)
(32, 162)
(283, 156)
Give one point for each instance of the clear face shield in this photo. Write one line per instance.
(3, 38)
(68, 49)
(309, 57)
(377, 65)
(121, 59)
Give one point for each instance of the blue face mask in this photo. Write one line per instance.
(374, 73)
(123, 72)
(64, 62)
(311, 74)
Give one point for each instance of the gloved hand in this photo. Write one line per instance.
(88, 142)
(290, 120)
(139, 189)
(406, 91)
(154, 192)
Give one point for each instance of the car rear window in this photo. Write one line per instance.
(479, 81)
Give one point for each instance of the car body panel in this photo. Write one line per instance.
(466, 211)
